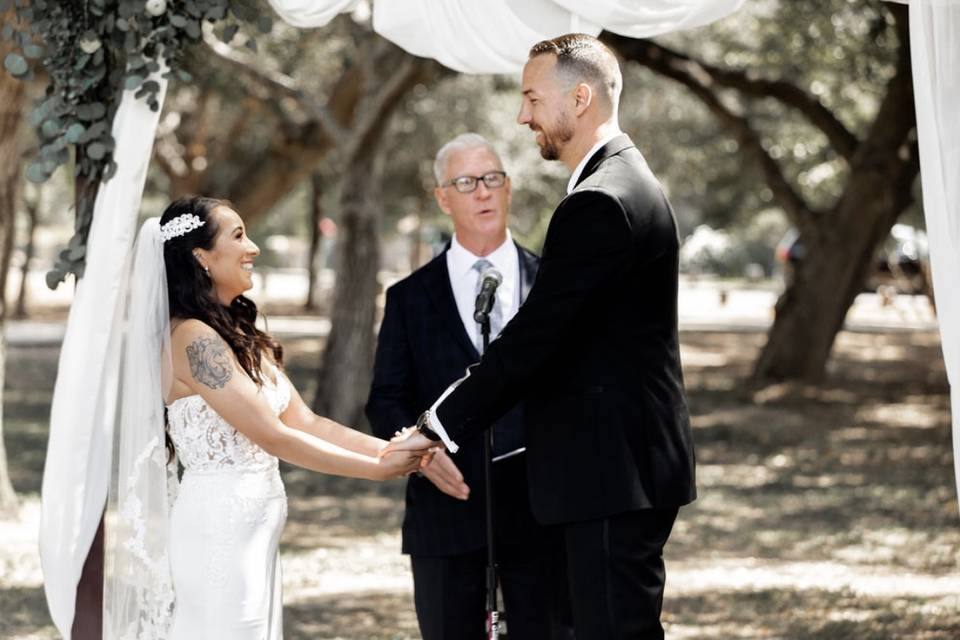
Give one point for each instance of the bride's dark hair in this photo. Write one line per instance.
(191, 289)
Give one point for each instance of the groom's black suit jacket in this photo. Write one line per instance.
(594, 354)
(421, 349)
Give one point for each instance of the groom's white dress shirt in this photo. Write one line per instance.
(463, 281)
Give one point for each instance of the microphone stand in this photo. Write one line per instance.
(493, 615)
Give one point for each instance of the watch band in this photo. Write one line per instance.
(423, 426)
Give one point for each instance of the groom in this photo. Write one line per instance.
(593, 353)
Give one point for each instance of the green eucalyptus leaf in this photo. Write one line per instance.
(33, 51)
(91, 111)
(193, 29)
(95, 130)
(51, 128)
(184, 76)
(36, 174)
(265, 24)
(77, 253)
(7, 32)
(54, 277)
(230, 32)
(75, 133)
(16, 65)
(243, 11)
(132, 82)
(216, 13)
(251, 44)
(97, 151)
(109, 170)
(178, 21)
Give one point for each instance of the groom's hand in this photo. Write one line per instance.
(409, 440)
(445, 475)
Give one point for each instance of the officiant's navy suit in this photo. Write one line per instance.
(422, 348)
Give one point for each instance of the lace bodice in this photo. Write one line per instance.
(206, 442)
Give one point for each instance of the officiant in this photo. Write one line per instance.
(427, 339)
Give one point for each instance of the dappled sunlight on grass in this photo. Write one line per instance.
(824, 512)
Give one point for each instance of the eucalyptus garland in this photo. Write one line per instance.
(90, 51)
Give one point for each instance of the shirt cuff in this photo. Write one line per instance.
(434, 421)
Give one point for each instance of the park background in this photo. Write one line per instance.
(827, 508)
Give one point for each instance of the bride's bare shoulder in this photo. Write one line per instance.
(184, 331)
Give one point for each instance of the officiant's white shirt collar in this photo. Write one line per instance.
(461, 261)
(583, 161)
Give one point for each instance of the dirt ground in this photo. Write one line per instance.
(823, 513)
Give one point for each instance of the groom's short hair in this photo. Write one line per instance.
(583, 58)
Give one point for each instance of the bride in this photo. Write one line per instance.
(203, 385)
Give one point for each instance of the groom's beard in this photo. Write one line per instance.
(554, 139)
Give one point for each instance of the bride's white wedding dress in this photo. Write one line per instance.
(225, 526)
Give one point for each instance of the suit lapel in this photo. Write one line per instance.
(528, 271)
(612, 148)
(437, 283)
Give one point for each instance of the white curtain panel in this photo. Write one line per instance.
(494, 36)
(77, 468)
(935, 47)
(474, 37)
(648, 18)
(311, 13)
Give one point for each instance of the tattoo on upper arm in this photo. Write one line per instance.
(210, 362)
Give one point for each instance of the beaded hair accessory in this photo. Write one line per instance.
(180, 226)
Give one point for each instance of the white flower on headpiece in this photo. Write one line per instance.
(180, 226)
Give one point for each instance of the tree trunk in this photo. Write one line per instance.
(348, 357)
(33, 217)
(812, 310)
(315, 255)
(842, 243)
(12, 99)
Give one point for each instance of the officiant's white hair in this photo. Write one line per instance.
(462, 142)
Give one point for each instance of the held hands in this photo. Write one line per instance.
(395, 464)
(436, 465)
(409, 440)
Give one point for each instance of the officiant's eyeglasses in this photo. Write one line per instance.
(468, 184)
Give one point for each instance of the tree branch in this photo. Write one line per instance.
(373, 118)
(689, 73)
(277, 83)
(655, 56)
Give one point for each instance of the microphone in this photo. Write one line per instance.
(489, 281)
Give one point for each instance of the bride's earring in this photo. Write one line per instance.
(205, 268)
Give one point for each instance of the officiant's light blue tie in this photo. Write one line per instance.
(496, 313)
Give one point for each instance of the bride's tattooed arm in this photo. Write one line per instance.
(209, 360)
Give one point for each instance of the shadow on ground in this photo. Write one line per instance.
(824, 512)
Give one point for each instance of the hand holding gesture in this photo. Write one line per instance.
(445, 475)
(395, 464)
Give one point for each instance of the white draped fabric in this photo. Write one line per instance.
(77, 469)
(494, 36)
(310, 13)
(935, 47)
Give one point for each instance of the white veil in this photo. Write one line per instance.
(139, 597)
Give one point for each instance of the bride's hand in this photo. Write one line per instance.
(396, 464)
